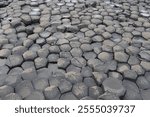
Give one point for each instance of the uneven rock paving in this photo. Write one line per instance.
(74, 49)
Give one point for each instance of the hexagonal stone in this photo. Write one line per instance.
(145, 65)
(29, 74)
(68, 96)
(78, 61)
(40, 62)
(116, 75)
(2, 62)
(29, 55)
(2, 79)
(28, 64)
(97, 38)
(53, 58)
(4, 70)
(123, 67)
(73, 68)
(132, 95)
(147, 76)
(54, 49)
(132, 91)
(27, 43)
(95, 92)
(130, 74)
(93, 62)
(4, 53)
(26, 19)
(24, 88)
(5, 89)
(108, 96)
(19, 50)
(62, 41)
(12, 80)
(45, 34)
(143, 83)
(73, 77)
(44, 73)
(145, 55)
(63, 63)
(51, 93)
(133, 60)
(89, 33)
(72, 29)
(89, 82)
(138, 69)
(76, 52)
(43, 52)
(114, 85)
(106, 35)
(80, 90)
(132, 50)
(64, 86)
(12, 96)
(65, 47)
(14, 60)
(145, 94)
(121, 56)
(86, 71)
(40, 84)
(89, 55)
(99, 77)
(86, 47)
(36, 95)
(105, 56)
(146, 35)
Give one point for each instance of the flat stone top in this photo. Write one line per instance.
(74, 49)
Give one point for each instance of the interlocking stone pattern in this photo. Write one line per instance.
(75, 49)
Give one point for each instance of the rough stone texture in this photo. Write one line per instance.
(74, 49)
(114, 86)
(51, 93)
(80, 90)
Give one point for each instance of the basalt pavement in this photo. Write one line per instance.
(74, 49)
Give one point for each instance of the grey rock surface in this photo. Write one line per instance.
(74, 49)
